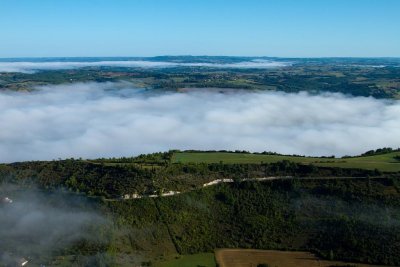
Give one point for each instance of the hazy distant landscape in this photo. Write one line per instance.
(376, 77)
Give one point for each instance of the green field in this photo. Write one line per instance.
(384, 162)
(195, 260)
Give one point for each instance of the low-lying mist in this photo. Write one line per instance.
(29, 67)
(37, 225)
(93, 120)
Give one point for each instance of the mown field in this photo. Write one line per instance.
(384, 162)
(195, 260)
(273, 258)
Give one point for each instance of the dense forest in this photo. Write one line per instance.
(113, 180)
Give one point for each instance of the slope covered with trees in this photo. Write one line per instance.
(340, 213)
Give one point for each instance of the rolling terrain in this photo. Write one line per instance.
(347, 220)
(377, 77)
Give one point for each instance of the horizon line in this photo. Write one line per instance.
(233, 56)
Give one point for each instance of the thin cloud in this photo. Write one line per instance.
(29, 67)
(106, 119)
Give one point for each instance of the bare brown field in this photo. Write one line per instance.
(252, 257)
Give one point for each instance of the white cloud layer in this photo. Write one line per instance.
(103, 120)
(29, 67)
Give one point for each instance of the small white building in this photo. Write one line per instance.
(6, 200)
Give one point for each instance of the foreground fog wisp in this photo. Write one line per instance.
(36, 224)
(105, 119)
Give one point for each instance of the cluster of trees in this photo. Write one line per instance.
(159, 158)
(80, 176)
(380, 151)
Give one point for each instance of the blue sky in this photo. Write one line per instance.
(284, 28)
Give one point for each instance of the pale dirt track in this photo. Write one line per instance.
(252, 257)
(222, 181)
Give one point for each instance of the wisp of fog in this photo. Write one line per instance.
(36, 224)
(92, 120)
(29, 67)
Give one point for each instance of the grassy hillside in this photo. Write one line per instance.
(384, 162)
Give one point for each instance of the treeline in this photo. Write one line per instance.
(159, 158)
(380, 151)
(113, 181)
(280, 168)
(80, 176)
(235, 152)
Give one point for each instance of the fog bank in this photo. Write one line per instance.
(105, 120)
(29, 67)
